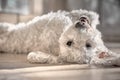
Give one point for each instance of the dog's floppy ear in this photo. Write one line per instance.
(83, 22)
(85, 19)
(92, 16)
(78, 24)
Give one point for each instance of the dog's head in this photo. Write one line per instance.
(81, 41)
(75, 41)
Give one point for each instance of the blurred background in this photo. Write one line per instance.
(15, 11)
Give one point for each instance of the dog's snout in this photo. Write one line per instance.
(103, 55)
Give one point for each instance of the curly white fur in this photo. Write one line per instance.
(45, 39)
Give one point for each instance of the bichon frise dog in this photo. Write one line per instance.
(58, 37)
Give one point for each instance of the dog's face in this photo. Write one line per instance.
(80, 42)
(75, 41)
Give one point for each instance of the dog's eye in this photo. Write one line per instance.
(69, 43)
(88, 45)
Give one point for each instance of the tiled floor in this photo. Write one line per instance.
(16, 67)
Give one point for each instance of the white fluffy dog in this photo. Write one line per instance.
(58, 37)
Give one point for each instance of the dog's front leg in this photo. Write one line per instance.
(41, 57)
